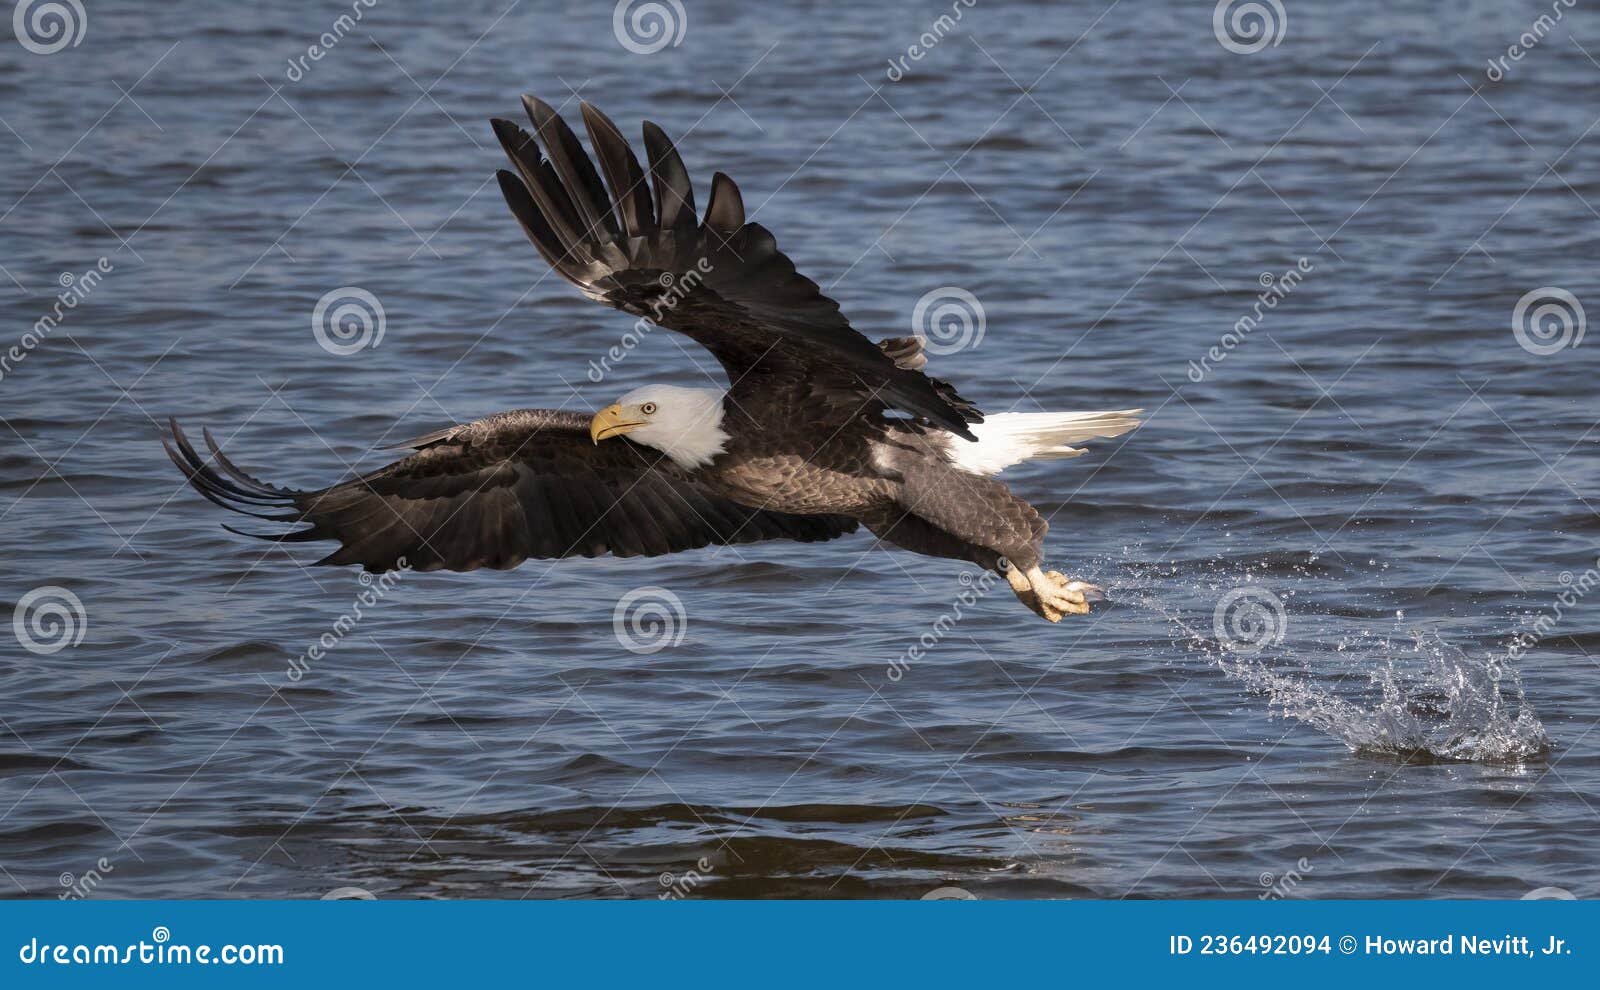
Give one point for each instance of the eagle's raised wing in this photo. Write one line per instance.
(493, 493)
(717, 279)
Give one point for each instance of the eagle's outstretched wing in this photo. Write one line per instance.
(718, 279)
(496, 492)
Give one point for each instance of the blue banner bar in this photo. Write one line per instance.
(798, 944)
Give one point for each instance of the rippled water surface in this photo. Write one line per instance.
(1319, 548)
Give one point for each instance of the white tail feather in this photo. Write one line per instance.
(1005, 439)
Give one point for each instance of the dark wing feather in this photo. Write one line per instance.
(674, 192)
(496, 492)
(721, 281)
(907, 353)
(623, 173)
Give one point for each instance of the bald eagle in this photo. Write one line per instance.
(820, 430)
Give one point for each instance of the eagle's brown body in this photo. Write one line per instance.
(896, 481)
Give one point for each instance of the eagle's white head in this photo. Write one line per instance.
(683, 423)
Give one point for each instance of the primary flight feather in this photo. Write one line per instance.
(820, 430)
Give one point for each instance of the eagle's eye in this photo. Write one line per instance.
(649, 408)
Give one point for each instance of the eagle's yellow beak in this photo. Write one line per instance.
(611, 421)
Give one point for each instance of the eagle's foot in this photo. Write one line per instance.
(1023, 589)
(1050, 595)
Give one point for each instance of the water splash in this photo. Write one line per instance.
(1407, 693)
(1428, 700)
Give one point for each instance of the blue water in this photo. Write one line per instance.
(1377, 482)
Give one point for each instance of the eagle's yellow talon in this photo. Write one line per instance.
(1051, 595)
